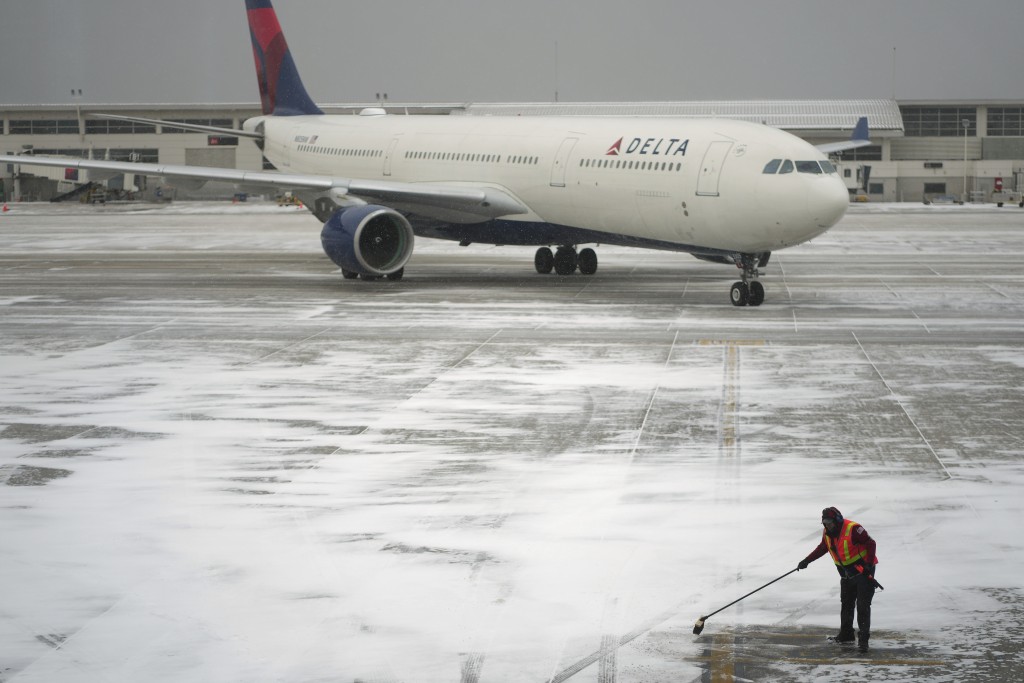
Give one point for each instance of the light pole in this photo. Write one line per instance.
(25, 150)
(966, 122)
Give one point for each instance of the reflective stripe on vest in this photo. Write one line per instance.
(843, 551)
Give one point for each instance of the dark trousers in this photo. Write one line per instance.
(855, 594)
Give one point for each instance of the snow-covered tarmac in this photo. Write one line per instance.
(223, 462)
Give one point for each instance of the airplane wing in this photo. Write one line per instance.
(480, 200)
(193, 127)
(860, 138)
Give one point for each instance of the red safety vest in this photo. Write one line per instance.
(843, 550)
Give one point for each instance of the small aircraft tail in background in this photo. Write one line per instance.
(861, 138)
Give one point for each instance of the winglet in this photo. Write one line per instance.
(281, 89)
(860, 138)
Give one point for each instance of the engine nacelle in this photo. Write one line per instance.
(369, 240)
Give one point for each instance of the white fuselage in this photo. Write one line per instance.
(663, 182)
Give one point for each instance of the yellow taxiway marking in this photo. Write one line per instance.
(729, 418)
(722, 668)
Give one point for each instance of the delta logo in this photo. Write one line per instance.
(650, 146)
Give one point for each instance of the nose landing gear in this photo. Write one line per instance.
(749, 291)
(747, 294)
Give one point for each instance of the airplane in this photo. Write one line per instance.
(722, 190)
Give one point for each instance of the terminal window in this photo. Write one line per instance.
(921, 121)
(216, 123)
(80, 153)
(866, 153)
(113, 127)
(44, 127)
(1002, 121)
(149, 156)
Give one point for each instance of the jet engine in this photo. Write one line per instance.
(369, 240)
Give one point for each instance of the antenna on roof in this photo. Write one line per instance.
(894, 72)
(556, 71)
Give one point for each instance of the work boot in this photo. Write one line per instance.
(862, 642)
(844, 636)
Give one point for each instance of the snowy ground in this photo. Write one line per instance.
(223, 462)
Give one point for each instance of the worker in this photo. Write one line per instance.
(853, 551)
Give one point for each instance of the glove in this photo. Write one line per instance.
(802, 564)
(869, 570)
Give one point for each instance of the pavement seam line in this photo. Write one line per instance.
(902, 407)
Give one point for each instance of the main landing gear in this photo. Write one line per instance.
(749, 291)
(565, 260)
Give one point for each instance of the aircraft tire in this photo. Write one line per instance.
(566, 261)
(739, 294)
(543, 260)
(756, 294)
(349, 274)
(588, 261)
(397, 275)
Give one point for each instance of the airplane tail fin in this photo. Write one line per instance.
(281, 89)
(861, 138)
(860, 131)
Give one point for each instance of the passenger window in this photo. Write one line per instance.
(808, 167)
(787, 167)
(772, 166)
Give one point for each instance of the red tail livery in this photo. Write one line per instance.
(281, 89)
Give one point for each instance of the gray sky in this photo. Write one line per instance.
(185, 51)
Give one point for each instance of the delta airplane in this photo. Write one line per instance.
(722, 190)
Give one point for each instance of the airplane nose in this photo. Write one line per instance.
(827, 202)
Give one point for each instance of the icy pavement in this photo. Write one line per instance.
(224, 462)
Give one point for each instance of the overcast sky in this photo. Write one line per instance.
(189, 51)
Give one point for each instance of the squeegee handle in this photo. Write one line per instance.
(750, 593)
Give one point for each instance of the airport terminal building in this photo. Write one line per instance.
(921, 150)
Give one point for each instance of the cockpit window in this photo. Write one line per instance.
(787, 166)
(808, 167)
